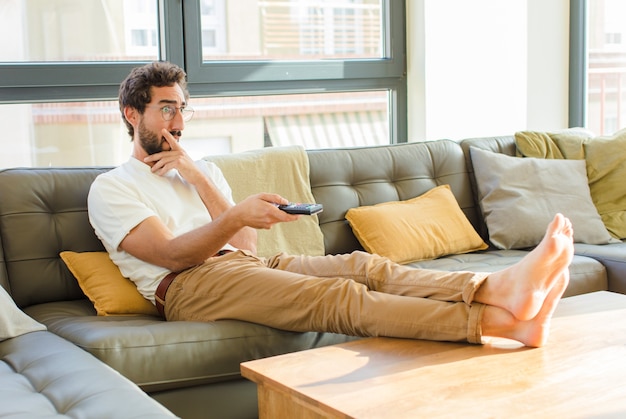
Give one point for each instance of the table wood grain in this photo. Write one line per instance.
(581, 372)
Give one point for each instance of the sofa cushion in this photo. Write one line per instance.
(353, 177)
(103, 283)
(606, 167)
(531, 143)
(520, 196)
(586, 274)
(46, 214)
(563, 144)
(159, 355)
(425, 227)
(42, 375)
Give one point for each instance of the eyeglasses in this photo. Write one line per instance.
(168, 112)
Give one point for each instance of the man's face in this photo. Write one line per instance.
(154, 119)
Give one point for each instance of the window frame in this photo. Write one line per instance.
(578, 64)
(180, 41)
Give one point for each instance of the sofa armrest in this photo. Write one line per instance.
(42, 374)
(613, 257)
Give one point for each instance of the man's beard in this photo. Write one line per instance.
(151, 142)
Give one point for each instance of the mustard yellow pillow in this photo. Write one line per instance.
(103, 283)
(606, 170)
(425, 227)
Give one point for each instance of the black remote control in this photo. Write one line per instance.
(299, 208)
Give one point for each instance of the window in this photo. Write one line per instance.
(606, 69)
(63, 134)
(56, 30)
(300, 30)
(92, 133)
(140, 29)
(598, 93)
(213, 27)
(612, 38)
(261, 73)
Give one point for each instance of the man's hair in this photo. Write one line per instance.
(135, 90)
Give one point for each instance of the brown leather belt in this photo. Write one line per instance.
(159, 295)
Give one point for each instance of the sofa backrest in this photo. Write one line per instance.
(42, 212)
(4, 277)
(351, 177)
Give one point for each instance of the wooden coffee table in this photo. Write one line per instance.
(581, 372)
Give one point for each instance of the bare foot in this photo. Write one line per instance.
(521, 289)
(498, 322)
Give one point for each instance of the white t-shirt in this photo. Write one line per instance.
(122, 198)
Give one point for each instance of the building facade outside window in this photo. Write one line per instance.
(606, 68)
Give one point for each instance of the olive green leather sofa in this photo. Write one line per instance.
(193, 368)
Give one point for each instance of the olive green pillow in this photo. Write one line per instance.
(421, 228)
(606, 170)
(563, 144)
(536, 144)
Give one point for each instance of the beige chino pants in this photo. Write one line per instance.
(357, 294)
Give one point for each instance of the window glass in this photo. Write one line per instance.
(291, 30)
(254, 68)
(78, 30)
(320, 120)
(63, 134)
(91, 133)
(606, 97)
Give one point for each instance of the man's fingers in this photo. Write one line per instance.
(170, 140)
(273, 198)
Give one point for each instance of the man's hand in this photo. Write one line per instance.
(261, 211)
(174, 158)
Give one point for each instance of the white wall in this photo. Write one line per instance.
(486, 67)
(548, 64)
